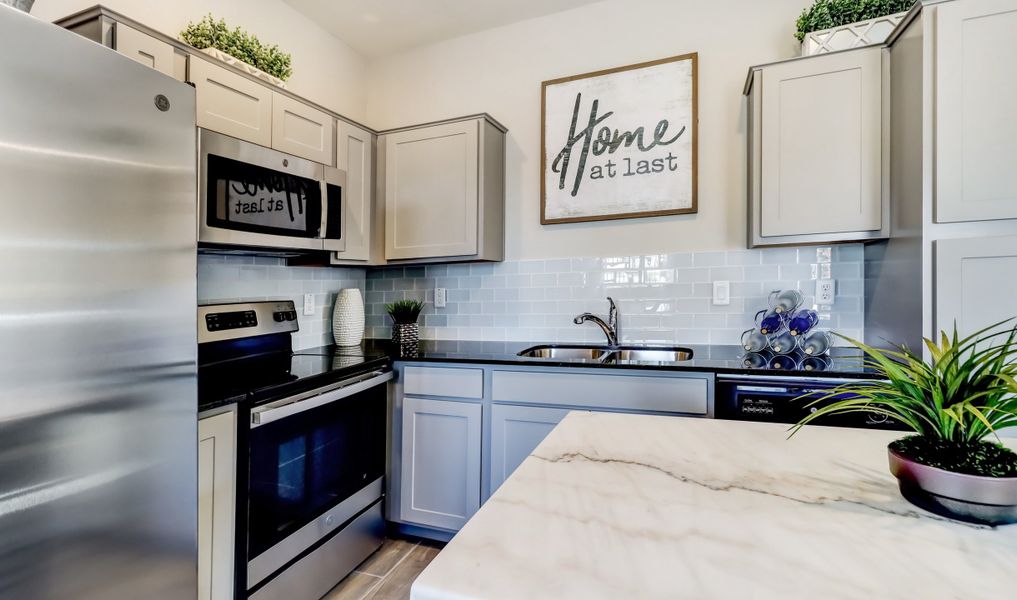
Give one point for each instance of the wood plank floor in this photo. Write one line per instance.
(388, 573)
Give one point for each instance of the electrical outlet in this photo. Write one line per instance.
(308, 304)
(825, 289)
(440, 297)
(721, 293)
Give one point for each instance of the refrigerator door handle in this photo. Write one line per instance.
(298, 404)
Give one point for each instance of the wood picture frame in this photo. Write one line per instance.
(671, 193)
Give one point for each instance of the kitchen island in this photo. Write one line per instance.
(636, 506)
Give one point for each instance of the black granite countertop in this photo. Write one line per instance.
(842, 362)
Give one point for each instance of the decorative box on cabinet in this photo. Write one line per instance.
(216, 505)
(817, 150)
(444, 191)
(355, 148)
(440, 462)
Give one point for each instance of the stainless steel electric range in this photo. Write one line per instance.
(311, 448)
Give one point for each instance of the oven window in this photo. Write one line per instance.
(305, 464)
(245, 197)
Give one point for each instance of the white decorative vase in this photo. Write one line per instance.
(348, 318)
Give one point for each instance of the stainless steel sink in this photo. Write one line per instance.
(652, 354)
(607, 354)
(593, 353)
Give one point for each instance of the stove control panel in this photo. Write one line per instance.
(231, 320)
(218, 322)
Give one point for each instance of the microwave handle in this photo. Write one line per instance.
(323, 229)
(292, 406)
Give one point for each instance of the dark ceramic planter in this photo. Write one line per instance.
(970, 498)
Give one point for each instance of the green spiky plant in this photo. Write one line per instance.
(404, 311)
(966, 393)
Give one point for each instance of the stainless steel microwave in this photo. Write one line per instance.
(252, 197)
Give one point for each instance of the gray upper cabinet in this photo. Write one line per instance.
(440, 462)
(150, 51)
(816, 143)
(515, 432)
(301, 130)
(355, 149)
(975, 286)
(444, 191)
(230, 103)
(975, 96)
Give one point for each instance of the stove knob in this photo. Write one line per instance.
(279, 317)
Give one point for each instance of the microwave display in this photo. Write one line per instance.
(260, 200)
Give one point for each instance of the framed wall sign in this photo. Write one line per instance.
(620, 143)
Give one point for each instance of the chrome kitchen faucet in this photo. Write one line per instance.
(611, 328)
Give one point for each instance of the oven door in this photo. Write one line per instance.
(252, 196)
(316, 461)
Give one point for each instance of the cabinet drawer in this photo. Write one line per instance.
(301, 130)
(686, 395)
(231, 104)
(440, 381)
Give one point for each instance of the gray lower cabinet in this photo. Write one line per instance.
(975, 287)
(460, 430)
(440, 462)
(515, 432)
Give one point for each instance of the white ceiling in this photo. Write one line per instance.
(377, 28)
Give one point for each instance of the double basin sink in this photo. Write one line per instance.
(608, 354)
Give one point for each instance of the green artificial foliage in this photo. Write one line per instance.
(210, 33)
(965, 393)
(824, 14)
(404, 311)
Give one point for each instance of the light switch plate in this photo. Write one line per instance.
(440, 297)
(721, 293)
(825, 291)
(308, 304)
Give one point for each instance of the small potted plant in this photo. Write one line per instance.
(240, 49)
(404, 313)
(954, 403)
(830, 25)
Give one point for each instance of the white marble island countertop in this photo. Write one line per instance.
(633, 506)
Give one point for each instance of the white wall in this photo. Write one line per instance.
(500, 70)
(325, 70)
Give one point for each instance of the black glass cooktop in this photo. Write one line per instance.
(278, 373)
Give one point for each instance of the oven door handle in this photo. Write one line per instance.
(281, 409)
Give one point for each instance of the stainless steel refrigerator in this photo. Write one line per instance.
(98, 405)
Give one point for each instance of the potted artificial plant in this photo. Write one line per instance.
(955, 404)
(830, 25)
(404, 313)
(240, 49)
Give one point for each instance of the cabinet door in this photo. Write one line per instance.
(440, 479)
(356, 157)
(216, 506)
(301, 130)
(431, 196)
(821, 145)
(975, 285)
(515, 432)
(231, 104)
(145, 49)
(976, 92)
